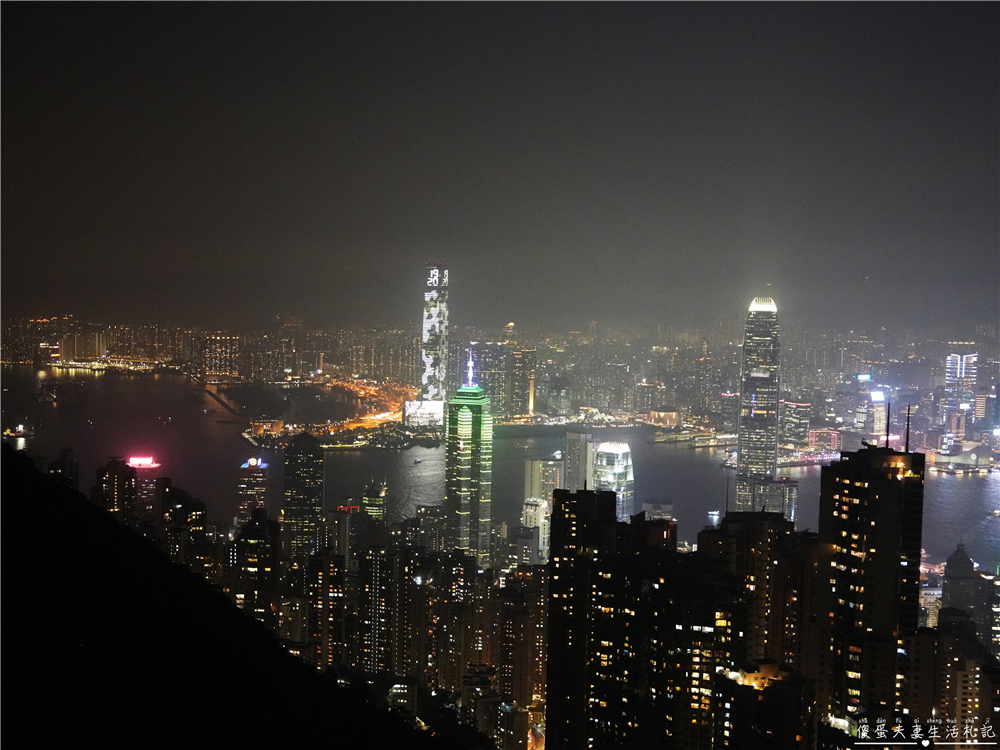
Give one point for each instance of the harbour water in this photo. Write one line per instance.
(200, 447)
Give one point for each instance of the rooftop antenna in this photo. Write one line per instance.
(888, 409)
(470, 368)
(907, 448)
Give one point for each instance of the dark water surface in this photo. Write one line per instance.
(200, 447)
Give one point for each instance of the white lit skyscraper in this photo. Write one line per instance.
(428, 411)
(434, 333)
(760, 390)
(613, 471)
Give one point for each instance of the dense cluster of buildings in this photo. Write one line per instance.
(594, 631)
(583, 625)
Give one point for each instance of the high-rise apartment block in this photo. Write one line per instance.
(870, 524)
(255, 567)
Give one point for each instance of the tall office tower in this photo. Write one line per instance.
(492, 365)
(965, 588)
(613, 471)
(145, 486)
(536, 515)
(579, 461)
(251, 487)
(255, 567)
(760, 387)
(289, 332)
(469, 470)
(795, 423)
(542, 476)
(303, 508)
(116, 489)
(373, 501)
(870, 522)
(435, 333)
(522, 382)
(875, 416)
(729, 405)
(960, 386)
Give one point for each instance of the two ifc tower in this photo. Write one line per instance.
(757, 484)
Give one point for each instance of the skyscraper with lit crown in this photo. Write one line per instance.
(469, 470)
(613, 471)
(760, 391)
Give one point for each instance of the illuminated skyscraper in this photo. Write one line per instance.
(522, 382)
(760, 389)
(373, 501)
(434, 333)
(255, 564)
(145, 486)
(492, 365)
(116, 489)
(613, 471)
(579, 461)
(251, 485)
(960, 378)
(469, 470)
(303, 508)
(870, 526)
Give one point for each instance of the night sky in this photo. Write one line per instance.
(655, 163)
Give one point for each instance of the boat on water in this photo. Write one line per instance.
(418, 460)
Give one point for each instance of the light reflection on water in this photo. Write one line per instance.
(101, 415)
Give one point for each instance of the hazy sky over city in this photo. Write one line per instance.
(220, 163)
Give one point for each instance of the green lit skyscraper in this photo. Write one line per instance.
(469, 470)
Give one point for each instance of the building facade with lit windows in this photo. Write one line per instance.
(636, 632)
(303, 503)
(434, 333)
(251, 487)
(255, 567)
(221, 356)
(870, 526)
(469, 471)
(760, 389)
(613, 471)
(522, 382)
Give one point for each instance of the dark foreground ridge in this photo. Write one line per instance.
(108, 642)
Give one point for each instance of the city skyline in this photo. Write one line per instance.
(634, 164)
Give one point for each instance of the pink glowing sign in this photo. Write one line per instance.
(143, 462)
